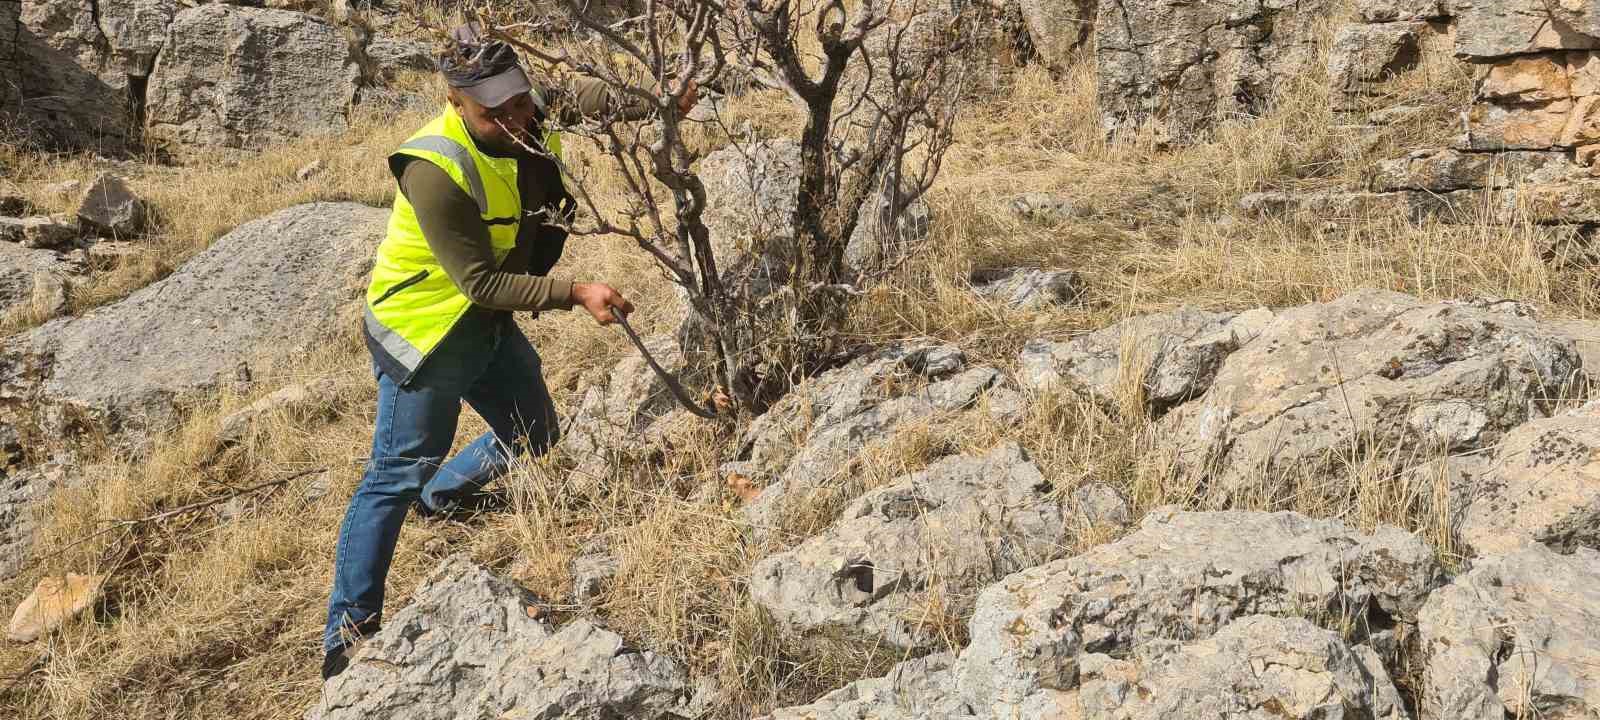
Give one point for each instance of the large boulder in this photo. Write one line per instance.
(1515, 637)
(1168, 358)
(473, 645)
(32, 279)
(1376, 369)
(917, 689)
(245, 77)
(611, 417)
(1183, 576)
(752, 194)
(109, 208)
(80, 66)
(1544, 486)
(1502, 28)
(1255, 668)
(1057, 28)
(1447, 170)
(1186, 66)
(274, 285)
(941, 533)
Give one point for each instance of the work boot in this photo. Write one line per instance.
(478, 503)
(336, 660)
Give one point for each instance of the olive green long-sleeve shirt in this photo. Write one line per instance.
(459, 238)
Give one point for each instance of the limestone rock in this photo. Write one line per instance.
(1500, 28)
(1189, 65)
(1377, 11)
(1544, 487)
(296, 398)
(1582, 17)
(13, 202)
(1334, 205)
(1185, 576)
(1535, 126)
(632, 400)
(1514, 637)
(38, 233)
(470, 645)
(1364, 53)
(1379, 368)
(917, 689)
(1258, 667)
(21, 271)
(269, 286)
(1446, 170)
(246, 77)
(1566, 201)
(109, 208)
(1097, 505)
(940, 533)
(1526, 79)
(390, 55)
(753, 195)
(1177, 355)
(54, 601)
(1043, 207)
(1029, 288)
(1057, 27)
(75, 63)
(592, 573)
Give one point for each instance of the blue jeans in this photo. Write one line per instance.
(485, 361)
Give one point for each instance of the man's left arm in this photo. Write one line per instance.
(594, 99)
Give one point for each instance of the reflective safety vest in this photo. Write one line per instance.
(411, 303)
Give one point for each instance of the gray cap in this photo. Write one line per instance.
(487, 70)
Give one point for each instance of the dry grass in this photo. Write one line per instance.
(212, 617)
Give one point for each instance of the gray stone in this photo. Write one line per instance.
(1007, 406)
(1345, 205)
(13, 202)
(1448, 170)
(753, 191)
(1255, 668)
(1185, 66)
(472, 645)
(1045, 208)
(610, 418)
(21, 491)
(1176, 354)
(917, 689)
(109, 208)
(38, 233)
(939, 534)
(22, 271)
(1376, 11)
(65, 187)
(1544, 487)
(1580, 16)
(271, 286)
(1514, 637)
(1029, 288)
(1057, 28)
(1373, 368)
(1097, 505)
(1500, 28)
(390, 55)
(299, 399)
(1364, 53)
(247, 77)
(592, 574)
(1181, 576)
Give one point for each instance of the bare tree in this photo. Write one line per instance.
(878, 83)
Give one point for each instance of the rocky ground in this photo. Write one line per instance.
(1278, 402)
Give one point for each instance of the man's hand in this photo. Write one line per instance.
(598, 299)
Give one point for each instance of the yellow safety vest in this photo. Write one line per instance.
(411, 303)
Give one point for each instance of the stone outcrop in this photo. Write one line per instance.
(1378, 368)
(473, 645)
(809, 440)
(1259, 667)
(918, 689)
(1057, 28)
(752, 197)
(1514, 637)
(109, 208)
(299, 398)
(277, 285)
(244, 77)
(55, 601)
(30, 278)
(1186, 66)
(1182, 576)
(613, 415)
(1543, 486)
(1174, 355)
(97, 74)
(942, 533)
(1026, 288)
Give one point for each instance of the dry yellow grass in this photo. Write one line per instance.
(207, 617)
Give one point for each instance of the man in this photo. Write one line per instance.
(470, 239)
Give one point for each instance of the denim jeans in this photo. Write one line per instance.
(485, 361)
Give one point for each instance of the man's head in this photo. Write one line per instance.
(488, 89)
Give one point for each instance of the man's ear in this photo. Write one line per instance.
(454, 99)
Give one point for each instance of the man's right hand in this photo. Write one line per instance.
(598, 299)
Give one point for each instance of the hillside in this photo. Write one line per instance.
(1243, 371)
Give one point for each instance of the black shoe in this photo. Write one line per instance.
(478, 503)
(335, 662)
